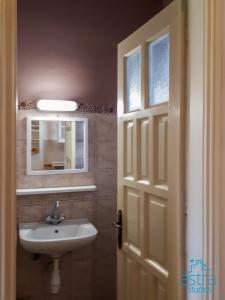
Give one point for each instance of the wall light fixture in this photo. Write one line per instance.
(57, 105)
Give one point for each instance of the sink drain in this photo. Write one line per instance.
(56, 231)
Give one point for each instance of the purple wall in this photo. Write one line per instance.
(68, 49)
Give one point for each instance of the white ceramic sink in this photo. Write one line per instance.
(55, 240)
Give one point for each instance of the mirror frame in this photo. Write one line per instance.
(55, 118)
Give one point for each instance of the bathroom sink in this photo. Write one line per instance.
(55, 240)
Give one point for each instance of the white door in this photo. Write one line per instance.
(151, 86)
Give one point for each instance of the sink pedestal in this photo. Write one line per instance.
(55, 279)
(56, 240)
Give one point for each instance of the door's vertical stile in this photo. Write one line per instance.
(120, 87)
(121, 257)
(123, 188)
(120, 130)
(122, 104)
(120, 163)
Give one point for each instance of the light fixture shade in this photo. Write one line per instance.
(57, 105)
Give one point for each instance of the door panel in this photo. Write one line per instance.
(133, 223)
(150, 158)
(128, 149)
(160, 144)
(157, 230)
(143, 150)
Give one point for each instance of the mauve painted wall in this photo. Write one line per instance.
(68, 49)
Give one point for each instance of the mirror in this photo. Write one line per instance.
(57, 145)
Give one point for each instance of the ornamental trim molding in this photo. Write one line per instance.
(82, 107)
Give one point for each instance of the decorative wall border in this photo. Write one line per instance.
(82, 107)
(26, 105)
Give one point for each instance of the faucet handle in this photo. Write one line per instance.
(57, 204)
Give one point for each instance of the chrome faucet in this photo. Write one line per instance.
(56, 217)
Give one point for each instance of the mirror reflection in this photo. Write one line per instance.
(57, 145)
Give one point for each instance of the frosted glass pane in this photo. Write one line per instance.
(133, 81)
(159, 70)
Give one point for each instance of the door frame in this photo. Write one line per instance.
(206, 50)
(8, 20)
(213, 166)
(214, 142)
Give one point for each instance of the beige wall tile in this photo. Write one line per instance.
(61, 296)
(57, 180)
(82, 179)
(24, 199)
(91, 157)
(30, 281)
(83, 295)
(84, 209)
(105, 278)
(106, 183)
(106, 128)
(85, 253)
(106, 155)
(106, 212)
(25, 181)
(21, 126)
(91, 129)
(25, 259)
(105, 243)
(82, 275)
(21, 150)
(35, 298)
(32, 213)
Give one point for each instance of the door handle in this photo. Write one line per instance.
(118, 226)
